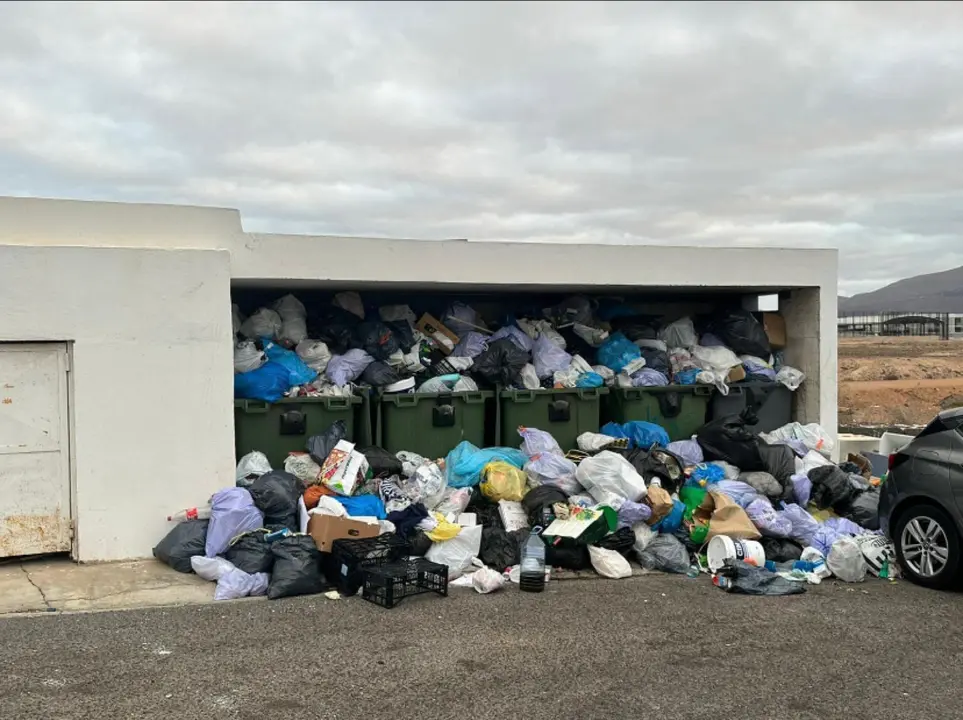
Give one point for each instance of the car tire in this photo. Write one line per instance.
(924, 516)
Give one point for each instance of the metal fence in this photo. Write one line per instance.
(894, 324)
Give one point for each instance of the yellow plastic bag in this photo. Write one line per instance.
(444, 531)
(503, 481)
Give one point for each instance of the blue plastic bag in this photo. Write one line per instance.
(232, 513)
(644, 434)
(673, 521)
(589, 380)
(709, 474)
(464, 464)
(618, 351)
(300, 374)
(613, 430)
(363, 506)
(687, 377)
(268, 383)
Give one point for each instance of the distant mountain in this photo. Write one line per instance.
(936, 292)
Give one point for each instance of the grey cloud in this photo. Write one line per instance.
(810, 124)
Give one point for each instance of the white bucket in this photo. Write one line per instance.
(722, 548)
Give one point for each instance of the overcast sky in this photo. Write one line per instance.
(818, 124)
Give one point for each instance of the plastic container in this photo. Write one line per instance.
(276, 429)
(565, 414)
(201, 513)
(722, 548)
(349, 559)
(680, 409)
(431, 424)
(772, 403)
(532, 578)
(387, 585)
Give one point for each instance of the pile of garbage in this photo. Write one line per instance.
(577, 343)
(762, 514)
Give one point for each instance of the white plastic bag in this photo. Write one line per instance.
(238, 584)
(529, 377)
(715, 363)
(211, 569)
(458, 552)
(303, 467)
(606, 373)
(609, 563)
(247, 357)
(679, 334)
(454, 501)
(314, 353)
(592, 335)
(294, 327)
(397, 313)
(609, 474)
(790, 377)
(593, 442)
(485, 580)
(250, 467)
(552, 469)
(812, 436)
(846, 561)
(262, 324)
(644, 534)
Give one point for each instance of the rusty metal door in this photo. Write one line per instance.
(34, 449)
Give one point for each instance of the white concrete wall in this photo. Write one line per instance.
(151, 333)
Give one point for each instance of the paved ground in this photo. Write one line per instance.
(657, 647)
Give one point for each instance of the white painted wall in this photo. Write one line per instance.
(151, 333)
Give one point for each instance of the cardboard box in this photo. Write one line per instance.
(325, 529)
(444, 338)
(737, 374)
(775, 327)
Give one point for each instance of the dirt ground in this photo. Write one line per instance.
(898, 381)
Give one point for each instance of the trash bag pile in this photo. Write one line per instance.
(762, 514)
(283, 350)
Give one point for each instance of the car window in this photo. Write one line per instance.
(938, 425)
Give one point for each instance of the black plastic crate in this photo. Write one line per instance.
(348, 557)
(387, 585)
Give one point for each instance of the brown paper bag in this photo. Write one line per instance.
(725, 517)
(660, 501)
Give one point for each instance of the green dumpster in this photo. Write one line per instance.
(680, 409)
(431, 424)
(285, 426)
(565, 413)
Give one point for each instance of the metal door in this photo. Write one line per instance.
(34, 449)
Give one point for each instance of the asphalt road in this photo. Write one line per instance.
(652, 647)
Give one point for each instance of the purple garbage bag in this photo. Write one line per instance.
(515, 334)
(633, 513)
(802, 488)
(767, 520)
(804, 525)
(689, 450)
(343, 369)
(232, 513)
(536, 441)
(472, 344)
(548, 358)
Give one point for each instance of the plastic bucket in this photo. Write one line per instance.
(722, 548)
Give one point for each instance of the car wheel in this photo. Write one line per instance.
(928, 546)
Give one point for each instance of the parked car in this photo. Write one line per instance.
(921, 501)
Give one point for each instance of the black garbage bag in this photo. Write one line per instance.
(250, 552)
(748, 579)
(335, 326)
(320, 446)
(864, 510)
(638, 327)
(728, 439)
(780, 550)
(831, 489)
(185, 540)
(666, 553)
(420, 543)
(276, 495)
(622, 541)
(569, 557)
(657, 462)
(381, 462)
(486, 510)
(657, 360)
(780, 462)
(850, 468)
(501, 364)
(742, 333)
(538, 504)
(381, 374)
(404, 334)
(297, 568)
(501, 549)
(376, 339)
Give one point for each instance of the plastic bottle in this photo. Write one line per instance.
(532, 578)
(194, 513)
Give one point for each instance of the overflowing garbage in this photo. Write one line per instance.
(761, 514)
(345, 344)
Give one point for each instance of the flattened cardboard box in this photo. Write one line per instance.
(775, 326)
(432, 328)
(325, 529)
